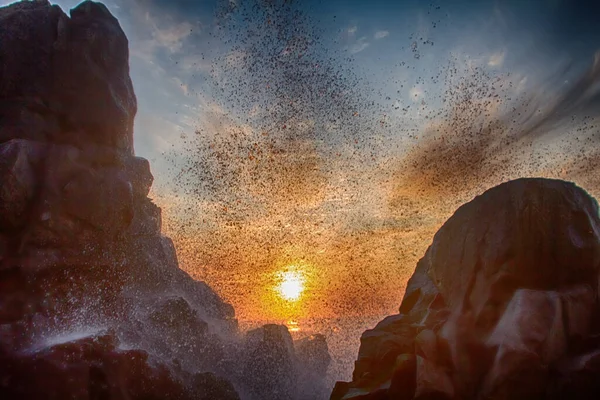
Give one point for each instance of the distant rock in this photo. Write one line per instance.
(504, 305)
(269, 366)
(313, 358)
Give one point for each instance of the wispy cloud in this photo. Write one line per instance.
(352, 30)
(381, 34)
(497, 59)
(359, 45)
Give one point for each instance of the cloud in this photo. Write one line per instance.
(381, 34)
(359, 45)
(497, 59)
(352, 30)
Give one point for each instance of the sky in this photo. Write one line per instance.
(333, 138)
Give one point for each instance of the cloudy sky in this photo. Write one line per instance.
(334, 137)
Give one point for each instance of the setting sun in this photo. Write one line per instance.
(291, 286)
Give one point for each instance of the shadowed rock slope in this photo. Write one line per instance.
(92, 302)
(504, 305)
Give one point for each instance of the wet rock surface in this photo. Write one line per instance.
(504, 305)
(92, 301)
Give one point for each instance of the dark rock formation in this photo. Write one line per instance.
(92, 302)
(270, 362)
(313, 358)
(81, 92)
(95, 368)
(504, 305)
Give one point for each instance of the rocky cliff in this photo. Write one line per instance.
(92, 302)
(504, 305)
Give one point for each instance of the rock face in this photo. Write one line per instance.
(504, 305)
(81, 92)
(92, 302)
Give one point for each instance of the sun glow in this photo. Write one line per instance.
(291, 286)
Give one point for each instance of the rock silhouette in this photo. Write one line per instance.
(503, 305)
(92, 301)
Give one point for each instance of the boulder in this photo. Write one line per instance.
(269, 363)
(81, 91)
(93, 367)
(503, 305)
(312, 355)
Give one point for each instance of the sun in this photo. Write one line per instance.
(291, 285)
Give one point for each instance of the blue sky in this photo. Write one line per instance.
(172, 48)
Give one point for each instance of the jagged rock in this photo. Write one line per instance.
(138, 171)
(147, 219)
(269, 365)
(65, 80)
(206, 386)
(432, 382)
(110, 200)
(94, 368)
(177, 315)
(17, 175)
(312, 354)
(380, 346)
(502, 306)
(81, 245)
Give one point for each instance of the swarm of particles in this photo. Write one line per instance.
(307, 167)
(487, 135)
(282, 160)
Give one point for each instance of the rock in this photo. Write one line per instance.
(543, 235)
(269, 364)
(577, 378)
(138, 171)
(404, 379)
(110, 200)
(93, 367)
(67, 74)
(207, 386)
(93, 304)
(432, 382)
(176, 315)
(200, 294)
(579, 306)
(501, 306)
(380, 346)
(19, 184)
(147, 219)
(312, 355)
(426, 345)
